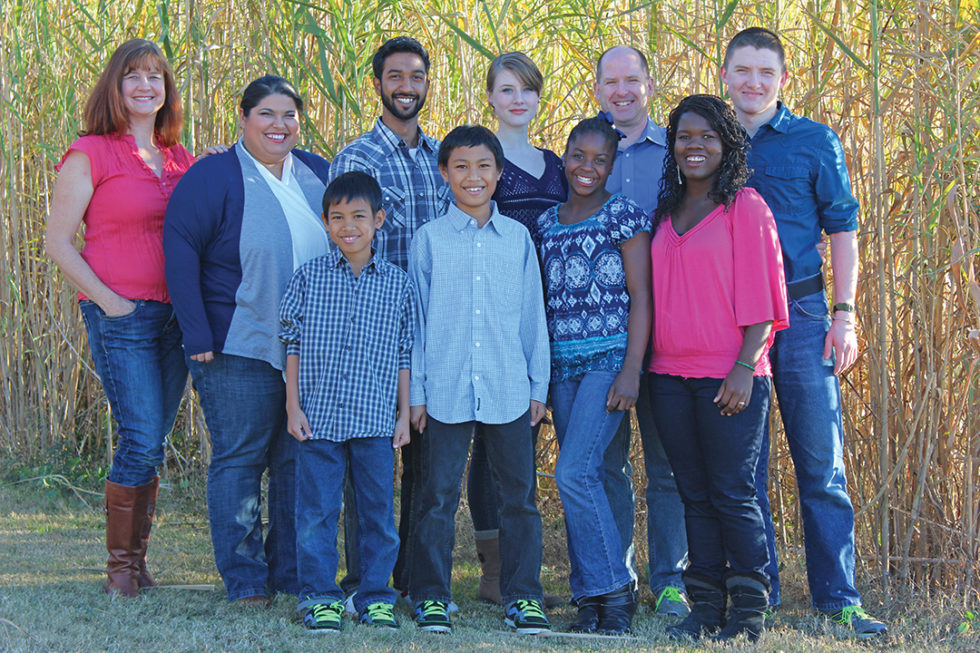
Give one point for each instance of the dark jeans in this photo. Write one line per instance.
(810, 406)
(481, 493)
(244, 402)
(714, 459)
(443, 458)
(320, 467)
(141, 366)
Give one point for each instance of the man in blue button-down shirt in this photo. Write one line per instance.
(799, 169)
(402, 158)
(623, 87)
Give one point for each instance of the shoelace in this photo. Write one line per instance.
(670, 594)
(530, 608)
(848, 613)
(380, 611)
(328, 611)
(430, 608)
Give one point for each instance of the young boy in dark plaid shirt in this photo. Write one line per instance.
(347, 322)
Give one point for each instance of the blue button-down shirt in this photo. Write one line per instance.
(352, 335)
(412, 190)
(481, 349)
(799, 169)
(638, 168)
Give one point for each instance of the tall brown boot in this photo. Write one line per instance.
(146, 503)
(122, 537)
(488, 551)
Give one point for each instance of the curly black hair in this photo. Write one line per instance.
(733, 171)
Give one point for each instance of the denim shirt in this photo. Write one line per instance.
(412, 190)
(637, 169)
(798, 167)
(481, 341)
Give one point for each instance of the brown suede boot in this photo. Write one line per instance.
(122, 537)
(146, 503)
(488, 551)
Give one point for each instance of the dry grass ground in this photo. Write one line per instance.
(51, 557)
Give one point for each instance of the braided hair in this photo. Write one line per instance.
(598, 126)
(733, 171)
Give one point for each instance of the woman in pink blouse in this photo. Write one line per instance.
(116, 179)
(719, 295)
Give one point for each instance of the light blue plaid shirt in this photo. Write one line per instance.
(352, 336)
(481, 350)
(412, 190)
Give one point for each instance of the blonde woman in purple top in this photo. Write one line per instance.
(531, 182)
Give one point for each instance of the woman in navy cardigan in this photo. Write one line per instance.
(237, 226)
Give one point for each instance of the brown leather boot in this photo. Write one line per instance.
(122, 537)
(146, 503)
(488, 552)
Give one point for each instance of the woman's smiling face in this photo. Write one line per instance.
(697, 147)
(271, 128)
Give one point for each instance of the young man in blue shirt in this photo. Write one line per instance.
(348, 323)
(799, 169)
(481, 356)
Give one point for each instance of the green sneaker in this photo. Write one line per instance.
(433, 616)
(324, 617)
(672, 602)
(860, 622)
(379, 614)
(527, 617)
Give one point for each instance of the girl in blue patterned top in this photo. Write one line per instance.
(595, 249)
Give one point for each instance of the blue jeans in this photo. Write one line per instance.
(810, 405)
(666, 537)
(244, 402)
(714, 458)
(585, 430)
(320, 469)
(444, 450)
(141, 365)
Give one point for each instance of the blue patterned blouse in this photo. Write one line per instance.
(587, 303)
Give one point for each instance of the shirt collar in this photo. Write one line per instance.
(461, 220)
(654, 133)
(374, 265)
(780, 121)
(393, 141)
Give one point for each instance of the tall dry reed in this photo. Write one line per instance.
(897, 80)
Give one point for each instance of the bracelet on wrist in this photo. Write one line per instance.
(745, 365)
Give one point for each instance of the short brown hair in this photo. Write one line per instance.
(519, 64)
(105, 112)
(759, 38)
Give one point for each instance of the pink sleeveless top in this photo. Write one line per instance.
(124, 218)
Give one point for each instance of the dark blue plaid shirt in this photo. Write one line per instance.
(352, 335)
(412, 190)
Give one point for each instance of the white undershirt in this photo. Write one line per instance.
(305, 228)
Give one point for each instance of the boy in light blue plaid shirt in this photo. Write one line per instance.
(347, 322)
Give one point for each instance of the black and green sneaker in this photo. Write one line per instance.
(527, 617)
(379, 614)
(863, 625)
(324, 617)
(433, 616)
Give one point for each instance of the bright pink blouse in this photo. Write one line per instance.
(724, 274)
(124, 218)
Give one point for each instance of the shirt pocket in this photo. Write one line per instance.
(787, 186)
(393, 199)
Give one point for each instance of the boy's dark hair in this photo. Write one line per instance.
(265, 86)
(595, 125)
(470, 136)
(759, 38)
(733, 171)
(354, 185)
(394, 46)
